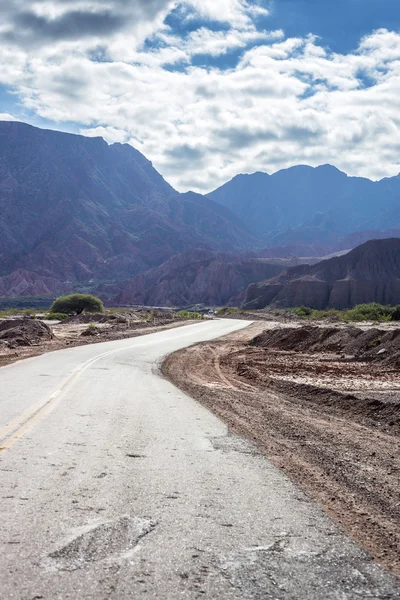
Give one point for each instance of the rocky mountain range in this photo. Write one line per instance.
(201, 277)
(328, 250)
(305, 205)
(25, 283)
(79, 210)
(369, 273)
(78, 213)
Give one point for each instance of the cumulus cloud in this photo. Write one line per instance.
(238, 13)
(8, 117)
(42, 21)
(281, 101)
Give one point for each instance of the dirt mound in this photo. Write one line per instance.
(24, 332)
(373, 344)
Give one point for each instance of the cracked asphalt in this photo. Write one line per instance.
(115, 485)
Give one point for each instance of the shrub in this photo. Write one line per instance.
(77, 303)
(56, 316)
(362, 312)
(185, 314)
(369, 312)
(396, 313)
(302, 311)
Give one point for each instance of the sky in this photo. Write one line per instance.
(207, 89)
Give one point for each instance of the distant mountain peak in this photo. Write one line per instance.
(283, 206)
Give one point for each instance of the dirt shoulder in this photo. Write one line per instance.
(330, 423)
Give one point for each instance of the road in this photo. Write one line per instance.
(115, 485)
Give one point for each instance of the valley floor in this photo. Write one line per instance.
(332, 425)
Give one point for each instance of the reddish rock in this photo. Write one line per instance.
(369, 273)
(25, 283)
(198, 277)
(77, 209)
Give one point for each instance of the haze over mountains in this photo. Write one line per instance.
(77, 213)
(311, 205)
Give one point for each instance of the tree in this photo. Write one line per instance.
(77, 303)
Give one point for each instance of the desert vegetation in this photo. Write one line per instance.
(187, 314)
(374, 312)
(77, 303)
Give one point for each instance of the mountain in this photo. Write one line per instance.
(79, 210)
(306, 205)
(360, 237)
(24, 283)
(328, 250)
(198, 277)
(311, 250)
(369, 273)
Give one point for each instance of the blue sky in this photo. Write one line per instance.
(339, 23)
(208, 88)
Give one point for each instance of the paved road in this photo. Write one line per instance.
(115, 485)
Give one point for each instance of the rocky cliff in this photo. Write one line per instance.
(24, 283)
(78, 210)
(210, 278)
(369, 273)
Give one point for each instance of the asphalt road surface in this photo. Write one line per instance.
(114, 485)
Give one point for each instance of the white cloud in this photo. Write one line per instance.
(238, 13)
(287, 101)
(8, 117)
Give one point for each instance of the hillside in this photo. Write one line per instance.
(198, 277)
(305, 205)
(78, 210)
(369, 273)
(24, 283)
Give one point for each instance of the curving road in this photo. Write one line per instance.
(115, 485)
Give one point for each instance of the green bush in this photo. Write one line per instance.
(369, 312)
(77, 303)
(56, 317)
(362, 312)
(185, 314)
(303, 311)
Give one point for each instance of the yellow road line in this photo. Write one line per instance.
(20, 432)
(10, 434)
